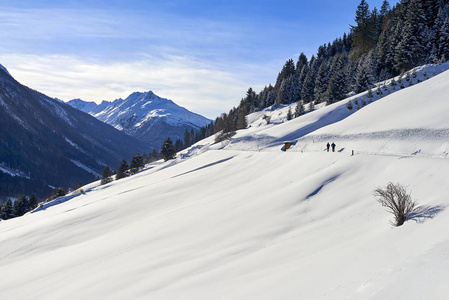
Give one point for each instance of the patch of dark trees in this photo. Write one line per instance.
(383, 43)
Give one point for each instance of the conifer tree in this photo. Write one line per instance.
(241, 121)
(8, 210)
(363, 32)
(321, 83)
(302, 63)
(155, 155)
(106, 177)
(299, 110)
(362, 80)
(136, 163)
(308, 87)
(168, 149)
(20, 206)
(370, 95)
(384, 9)
(289, 114)
(349, 105)
(379, 92)
(443, 47)
(33, 201)
(337, 87)
(393, 83)
(122, 170)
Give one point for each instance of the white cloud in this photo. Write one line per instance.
(200, 87)
(201, 63)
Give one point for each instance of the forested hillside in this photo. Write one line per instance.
(382, 43)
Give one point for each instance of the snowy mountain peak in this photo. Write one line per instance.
(146, 116)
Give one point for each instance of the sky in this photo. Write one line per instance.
(202, 54)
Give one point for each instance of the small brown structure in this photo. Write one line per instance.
(287, 145)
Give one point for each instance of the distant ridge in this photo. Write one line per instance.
(145, 116)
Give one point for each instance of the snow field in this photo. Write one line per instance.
(244, 220)
(285, 225)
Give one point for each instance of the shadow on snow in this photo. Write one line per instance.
(425, 212)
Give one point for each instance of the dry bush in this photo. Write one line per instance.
(397, 201)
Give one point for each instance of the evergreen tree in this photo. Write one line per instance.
(33, 202)
(362, 80)
(155, 155)
(301, 64)
(384, 9)
(20, 206)
(137, 163)
(321, 82)
(106, 177)
(287, 70)
(60, 192)
(407, 77)
(379, 92)
(122, 170)
(241, 121)
(311, 105)
(370, 95)
(363, 33)
(308, 88)
(289, 114)
(349, 105)
(299, 109)
(337, 88)
(168, 149)
(393, 83)
(179, 145)
(376, 21)
(7, 210)
(443, 47)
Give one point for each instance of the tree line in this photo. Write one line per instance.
(383, 43)
(168, 151)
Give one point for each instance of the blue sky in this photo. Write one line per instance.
(202, 54)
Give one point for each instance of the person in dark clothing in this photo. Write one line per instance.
(333, 147)
(328, 146)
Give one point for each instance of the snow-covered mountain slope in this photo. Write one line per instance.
(91, 107)
(244, 220)
(45, 143)
(145, 116)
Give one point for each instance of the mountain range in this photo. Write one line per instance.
(46, 143)
(145, 116)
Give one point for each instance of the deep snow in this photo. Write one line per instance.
(244, 220)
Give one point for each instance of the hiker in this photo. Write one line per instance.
(328, 145)
(333, 147)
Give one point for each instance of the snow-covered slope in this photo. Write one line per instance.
(145, 116)
(244, 220)
(45, 143)
(91, 107)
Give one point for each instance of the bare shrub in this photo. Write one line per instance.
(397, 201)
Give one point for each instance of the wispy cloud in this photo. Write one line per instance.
(202, 64)
(191, 84)
(204, 55)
